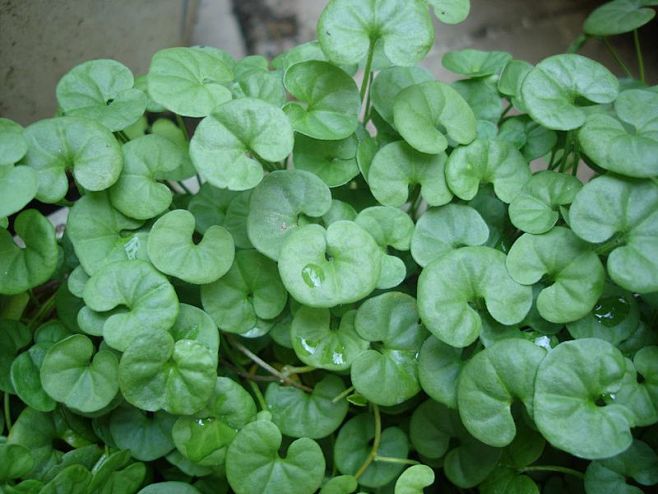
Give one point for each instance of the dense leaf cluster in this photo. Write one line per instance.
(372, 289)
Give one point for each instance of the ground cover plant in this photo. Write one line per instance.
(372, 290)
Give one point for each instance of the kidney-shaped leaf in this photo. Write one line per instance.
(426, 114)
(74, 374)
(173, 251)
(25, 268)
(487, 161)
(618, 17)
(397, 165)
(190, 81)
(56, 145)
(335, 162)
(101, 90)
(282, 202)
(414, 479)
(146, 300)
(228, 144)
(329, 102)
(552, 90)
(575, 272)
(12, 143)
(574, 399)
(324, 268)
(401, 29)
(475, 63)
(623, 213)
(470, 275)
(491, 381)
(253, 464)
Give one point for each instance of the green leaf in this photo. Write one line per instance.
(439, 366)
(491, 381)
(319, 340)
(574, 406)
(639, 391)
(56, 145)
(18, 186)
(624, 213)
(388, 84)
(36, 432)
(451, 11)
(574, 272)
(414, 479)
(509, 481)
(400, 30)
(443, 229)
(253, 464)
(171, 487)
(102, 235)
(228, 144)
(470, 275)
(172, 249)
(101, 90)
(190, 81)
(335, 162)
(15, 461)
(329, 102)
(280, 204)
(248, 293)
(618, 17)
(628, 144)
(299, 414)
(25, 376)
(426, 114)
(486, 104)
(28, 267)
(487, 161)
(639, 462)
(14, 335)
(602, 480)
(156, 372)
(209, 206)
(74, 479)
(147, 437)
(169, 130)
(558, 88)
(141, 83)
(147, 159)
(534, 209)
(342, 484)
(12, 143)
(75, 374)
(325, 268)
(354, 443)
(148, 301)
(511, 78)
(387, 374)
(397, 165)
(475, 63)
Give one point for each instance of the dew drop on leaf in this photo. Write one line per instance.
(610, 311)
(313, 275)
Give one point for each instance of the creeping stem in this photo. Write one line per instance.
(375, 443)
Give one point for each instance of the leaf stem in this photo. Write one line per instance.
(554, 468)
(184, 187)
(342, 395)
(182, 126)
(366, 73)
(44, 310)
(401, 461)
(506, 110)
(198, 179)
(290, 370)
(375, 443)
(7, 407)
(261, 363)
(616, 56)
(638, 52)
(254, 387)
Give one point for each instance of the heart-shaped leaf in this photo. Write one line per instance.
(426, 114)
(12, 143)
(56, 145)
(228, 144)
(388, 84)
(169, 130)
(190, 81)
(282, 202)
(639, 391)
(414, 479)
(209, 206)
(253, 464)
(573, 405)
(26, 378)
(325, 341)
(248, 293)
(334, 162)
(156, 372)
(325, 268)
(76, 375)
(146, 436)
(475, 63)
(147, 301)
(443, 229)
(484, 101)
(628, 144)
(103, 91)
(487, 161)
(575, 273)
(471, 275)
(553, 90)
(18, 186)
(618, 17)
(451, 11)
(511, 78)
(329, 102)
(491, 381)
(400, 30)
(172, 250)
(625, 214)
(397, 165)
(387, 374)
(28, 267)
(534, 209)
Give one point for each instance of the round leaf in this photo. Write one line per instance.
(12, 143)
(18, 186)
(618, 17)
(414, 479)
(475, 63)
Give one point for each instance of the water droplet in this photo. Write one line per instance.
(313, 275)
(132, 248)
(543, 342)
(337, 358)
(205, 421)
(611, 311)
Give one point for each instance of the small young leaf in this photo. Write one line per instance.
(618, 17)
(414, 479)
(451, 11)
(388, 84)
